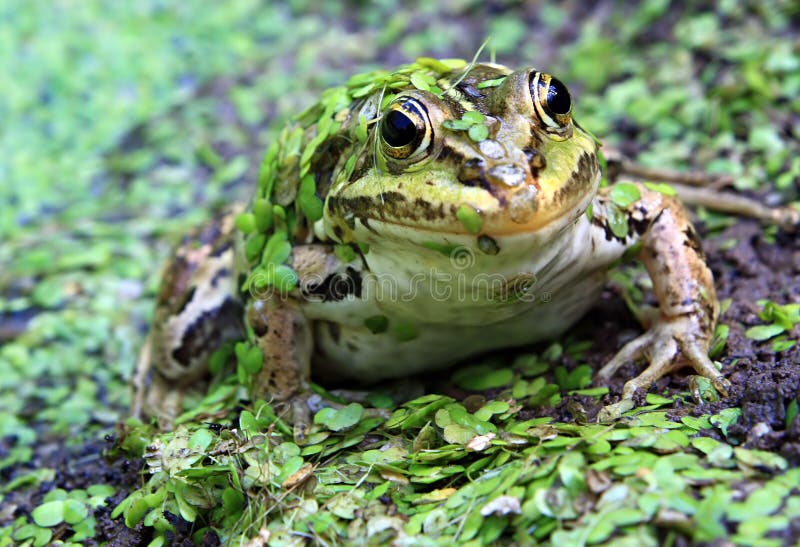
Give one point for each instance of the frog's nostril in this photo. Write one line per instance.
(508, 175)
(536, 160)
(471, 171)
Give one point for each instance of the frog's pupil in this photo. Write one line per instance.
(398, 129)
(558, 100)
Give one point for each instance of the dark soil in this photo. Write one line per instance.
(80, 467)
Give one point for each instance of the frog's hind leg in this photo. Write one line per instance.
(706, 190)
(197, 310)
(728, 202)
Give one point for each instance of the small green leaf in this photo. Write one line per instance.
(420, 81)
(617, 221)
(186, 509)
(262, 211)
(345, 253)
(404, 332)
(482, 377)
(49, 514)
(760, 458)
(491, 83)
(104, 490)
(458, 434)
(624, 194)
(200, 440)
(246, 223)
(478, 133)
(360, 134)
(782, 344)
(457, 125)
(697, 423)
(791, 412)
(253, 246)
(310, 204)
(704, 444)
(763, 332)
(719, 340)
(232, 500)
(655, 399)
(248, 422)
(444, 248)
(726, 418)
(253, 360)
(473, 117)
(662, 188)
(135, 512)
(285, 278)
(470, 218)
(377, 324)
(344, 418)
(75, 511)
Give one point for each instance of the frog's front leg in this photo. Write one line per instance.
(283, 332)
(683, 284)
(704, 189)
(283, 335)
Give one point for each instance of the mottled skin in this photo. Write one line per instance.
(423, 288)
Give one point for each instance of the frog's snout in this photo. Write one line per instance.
(504, 173)
(512, 178)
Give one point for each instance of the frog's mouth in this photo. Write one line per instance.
(449, 207)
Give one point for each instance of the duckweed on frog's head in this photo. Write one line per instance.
(432, 150)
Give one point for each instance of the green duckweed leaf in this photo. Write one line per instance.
(377, 324)
(624, 194)
(470, 218)
(482, 377)
(49, 514)
(760, 333)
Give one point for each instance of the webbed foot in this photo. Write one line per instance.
(668, 345)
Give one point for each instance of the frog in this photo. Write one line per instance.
(414, 218)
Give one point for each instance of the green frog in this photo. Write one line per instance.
(411, 219)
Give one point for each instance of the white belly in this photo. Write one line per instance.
(359, 354)
(453, 306)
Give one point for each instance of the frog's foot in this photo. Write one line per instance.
(667, 346)
(297, 411)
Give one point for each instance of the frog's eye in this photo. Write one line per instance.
(551, 100)
(406, 129)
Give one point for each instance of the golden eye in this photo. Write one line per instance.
(551, 100)
(406, 129)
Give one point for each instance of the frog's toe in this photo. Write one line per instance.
(698, 359)
(300, 417)
(612, 412)
(631, 351)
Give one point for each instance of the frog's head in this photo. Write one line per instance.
(496, 154)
